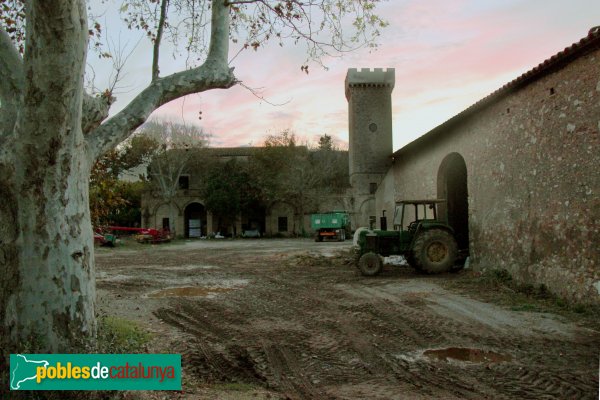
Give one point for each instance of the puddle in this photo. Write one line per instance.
(466, 354)
(190, 291)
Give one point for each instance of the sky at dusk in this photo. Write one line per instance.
(447, 54)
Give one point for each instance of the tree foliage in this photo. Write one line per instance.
(112, 200)
(298, 175)
(325, 142)
(332, 166)
(228, 188)
(105, 193)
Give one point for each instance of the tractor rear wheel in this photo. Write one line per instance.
(435, 251)
(370, 264)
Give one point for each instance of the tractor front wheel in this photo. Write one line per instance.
(435, 251)
(370, 264)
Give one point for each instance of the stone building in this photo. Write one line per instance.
(188, 217)
(520, 169)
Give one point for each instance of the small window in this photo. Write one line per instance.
(184, 182)
(372, 187)
(282, 224)
(166, 224)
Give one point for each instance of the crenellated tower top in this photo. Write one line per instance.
(367, 77)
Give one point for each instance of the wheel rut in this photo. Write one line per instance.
(311, 327)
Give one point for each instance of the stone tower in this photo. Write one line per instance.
(369, 95)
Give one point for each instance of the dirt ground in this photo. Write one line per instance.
(293, 319)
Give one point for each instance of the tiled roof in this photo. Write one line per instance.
(592, 40)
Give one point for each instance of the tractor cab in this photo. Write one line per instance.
(409, 215)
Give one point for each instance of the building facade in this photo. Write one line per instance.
(520, 171)
(187, 216)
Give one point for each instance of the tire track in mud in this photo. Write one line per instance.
(381, 362)
(419, 326)
(536, 381)
(546, 381)
(378, 363)
(300, 332)
(288, 374)
(257, 361)
(207, 353)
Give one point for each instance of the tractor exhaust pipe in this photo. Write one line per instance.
(383, 221)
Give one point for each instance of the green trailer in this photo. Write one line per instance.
(332, 225)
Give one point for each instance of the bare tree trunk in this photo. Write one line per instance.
(173, 213)
(47, 283)
(46, 243)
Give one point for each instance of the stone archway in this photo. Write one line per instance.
(254, 218)
(452, 186)
(194, 220)
(366, 214)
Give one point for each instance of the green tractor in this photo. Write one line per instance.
(426, 242)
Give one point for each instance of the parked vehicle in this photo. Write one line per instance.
(104, 239)
(426, 242)
(251, 233)
(154, 236)
(332, 225)
(145, 235)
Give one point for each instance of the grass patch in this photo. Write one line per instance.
(527, 307)
(116, 335)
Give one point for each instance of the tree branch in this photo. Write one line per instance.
(11, 82)
(11, 68)
(214, 73)
(218, 49)
(94, 111)
(159, 33)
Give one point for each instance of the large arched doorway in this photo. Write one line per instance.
(366, 214)
(194, 218)
(452, 186)
(254, 218)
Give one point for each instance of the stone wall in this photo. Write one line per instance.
(283, 213)
(385, 200)
(532, 157)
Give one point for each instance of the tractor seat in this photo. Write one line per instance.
(412, 227)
